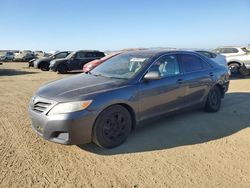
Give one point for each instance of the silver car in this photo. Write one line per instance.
(235, 57)
(6, 56)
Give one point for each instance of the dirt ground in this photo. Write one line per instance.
(192, 149)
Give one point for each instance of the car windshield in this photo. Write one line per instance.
(71, 55)
(124, 66)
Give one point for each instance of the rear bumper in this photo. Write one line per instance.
(74, 128)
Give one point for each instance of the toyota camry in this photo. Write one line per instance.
(106, 104)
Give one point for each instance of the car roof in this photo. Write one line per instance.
(158, 52)
(88, 51)
(231, 47)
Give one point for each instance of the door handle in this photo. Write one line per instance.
(211, 74)
(179, 81)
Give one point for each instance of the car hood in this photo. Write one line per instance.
(78, 87)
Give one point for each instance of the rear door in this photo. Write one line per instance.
(75, 63)
(198, 78)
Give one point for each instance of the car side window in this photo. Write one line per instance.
(166, 66)
(229, 50)
(90, 55)
(80, 55)
(192, 63)
(61, 55)
(99, 54)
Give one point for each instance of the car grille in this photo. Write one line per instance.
(41, 105)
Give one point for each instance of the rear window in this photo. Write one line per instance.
(94, 55)
(245, 50)
(99, 54)
(192, 63)
(207, 54)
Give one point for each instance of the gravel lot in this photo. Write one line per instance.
(194, 148)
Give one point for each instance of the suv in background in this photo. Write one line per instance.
(44, 62)
(236, 57)
(75, 61)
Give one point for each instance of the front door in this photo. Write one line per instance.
(167, 94)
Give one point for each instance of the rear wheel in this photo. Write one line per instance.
(112, 127)
(44, 66)
(62, 69)
(213, 100)
(234, 68)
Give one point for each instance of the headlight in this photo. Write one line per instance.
(52, 62)
(63, 108)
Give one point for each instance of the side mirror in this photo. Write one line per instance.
(152, 75)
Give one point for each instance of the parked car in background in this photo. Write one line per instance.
(75, 61)
(6, 56)
(105, 105)
(25, 55)
(40, 54)
(44, 62)
(235, 57)
(53, 52)
(92, 64)
(218, 58)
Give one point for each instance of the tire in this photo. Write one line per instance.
(112, 127)
(44, 66)
(234, 68)
(213, 102)
(62, 69)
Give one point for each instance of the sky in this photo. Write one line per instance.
(113, 25)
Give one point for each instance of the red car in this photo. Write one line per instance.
(91, 65)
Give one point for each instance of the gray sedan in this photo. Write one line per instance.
(105, 105)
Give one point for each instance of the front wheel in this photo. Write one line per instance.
(62, 69)
(213, 100)
(44, 66)
(112, 127)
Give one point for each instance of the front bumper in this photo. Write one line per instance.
(225, 87)
(73, 128)
(52, 68)
(247, 66)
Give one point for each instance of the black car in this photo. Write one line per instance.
(44, 62)
(106, 104)
(75, 61)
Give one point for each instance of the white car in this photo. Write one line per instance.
(218, 58)
(235, 57)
